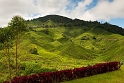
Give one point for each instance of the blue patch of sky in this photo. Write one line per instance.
(94, 3)
(91, 5)
(35, 2)
(111, 0)
(117, 21)
(33, 15)
(88, 7)
(76, 1)
(101, 21)
(71, 7)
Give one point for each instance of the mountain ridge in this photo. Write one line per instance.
(58, 20)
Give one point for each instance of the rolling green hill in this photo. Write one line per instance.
(55, 42)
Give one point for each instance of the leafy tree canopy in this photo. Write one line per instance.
(18, 24)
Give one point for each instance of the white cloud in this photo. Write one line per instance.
(29, 9)
(79, 10)
(104, 10)
(51, 6)
(107, 10)
(9, 8)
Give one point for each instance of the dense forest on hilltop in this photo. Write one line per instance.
(56, 20)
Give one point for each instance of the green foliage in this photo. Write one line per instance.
(46, 31)
(84, 38)
(33, 68)
(18, 24)
(30, 68)
(6, 37)
(34, 51)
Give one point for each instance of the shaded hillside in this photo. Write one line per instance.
(57, 20)
(54, 18)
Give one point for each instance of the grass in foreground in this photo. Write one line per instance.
(110, 77)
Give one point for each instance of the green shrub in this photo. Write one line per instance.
(2, 80)
(84, 38)
(46, 31)
(34, 51)
(29, 68)
(33, 68)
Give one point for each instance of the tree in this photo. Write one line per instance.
(18, 25)
(6, 37)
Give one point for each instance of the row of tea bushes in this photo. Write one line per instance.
(65, 75)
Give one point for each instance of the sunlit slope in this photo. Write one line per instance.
(85, 44)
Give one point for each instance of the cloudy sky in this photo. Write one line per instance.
(111, 11)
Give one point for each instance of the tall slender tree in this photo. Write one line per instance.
(6, 38)
(18, 25)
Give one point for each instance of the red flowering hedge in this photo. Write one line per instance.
(70, 74)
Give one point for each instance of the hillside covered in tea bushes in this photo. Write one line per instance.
(56, 42)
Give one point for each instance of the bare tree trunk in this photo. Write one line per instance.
(16, 55)
(9, 67)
